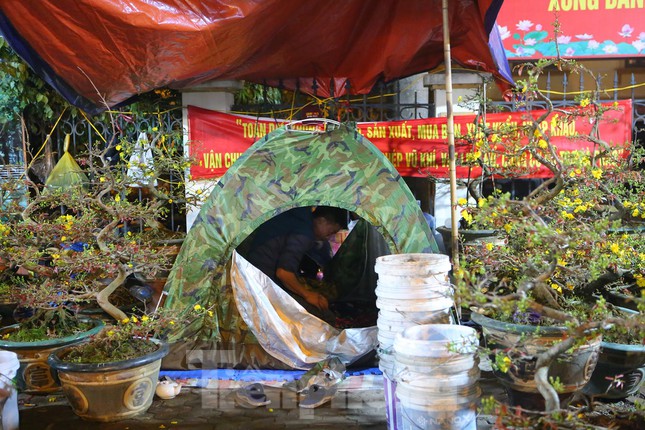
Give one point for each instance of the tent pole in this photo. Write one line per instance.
(451, 136)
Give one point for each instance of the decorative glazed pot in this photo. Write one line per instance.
(573, 369)
(620, 371)
(467, 236)
(110, 391)
(35, 375)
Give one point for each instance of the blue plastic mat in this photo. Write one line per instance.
(252, 374)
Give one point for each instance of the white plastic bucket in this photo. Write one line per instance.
(436, 373)
(9, 365)
(418, 292)
(412, 265)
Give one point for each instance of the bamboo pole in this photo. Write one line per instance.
(451, 136)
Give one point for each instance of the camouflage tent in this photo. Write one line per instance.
(287, 169)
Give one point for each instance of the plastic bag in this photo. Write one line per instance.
(66, 174)
(141, 157)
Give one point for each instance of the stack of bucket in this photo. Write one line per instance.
(436, 370)
(412, 290)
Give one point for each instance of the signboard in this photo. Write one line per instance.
(588, 28)
(416, 148)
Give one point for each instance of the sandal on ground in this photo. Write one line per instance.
(317, 395)
(251, 396)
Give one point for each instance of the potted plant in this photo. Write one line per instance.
(559, 247)
(92, 230)
(114, 375)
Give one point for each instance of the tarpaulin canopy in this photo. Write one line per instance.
(91, 50)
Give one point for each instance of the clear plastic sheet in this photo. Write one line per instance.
(285, 329)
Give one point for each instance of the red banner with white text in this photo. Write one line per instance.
(416, 148)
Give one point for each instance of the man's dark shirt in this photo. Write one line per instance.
(282, 242)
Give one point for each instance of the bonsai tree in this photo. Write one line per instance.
(559, 247)
(95, 225)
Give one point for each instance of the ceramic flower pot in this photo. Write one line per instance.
(109, 391)
(574, 369)
(620, 371)
(35, 375)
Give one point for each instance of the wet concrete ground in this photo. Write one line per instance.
(358, 404)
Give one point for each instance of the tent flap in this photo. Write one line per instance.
(111, 50)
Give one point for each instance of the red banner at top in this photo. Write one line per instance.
(416, 148)
(587, 28)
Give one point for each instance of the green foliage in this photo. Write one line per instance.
(47, 324)
(258, 94)
(23, 93)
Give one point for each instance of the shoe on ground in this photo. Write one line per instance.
(251, 396)
(317, 395)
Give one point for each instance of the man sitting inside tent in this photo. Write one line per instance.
(280, 245)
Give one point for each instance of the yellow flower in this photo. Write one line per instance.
(55, 256)
(102, 179)
(489, 246)
(640, 282)
(556, 287)
(635, 212)
(596, 173)
(495, 138)
(210, 313)
(117, 198)
(144, 318)
(554, 120)
(197, 307)
(584, 102)
(466, 215)
(481, 202)
(171, 322)
(561, 262)
(63, 238)
(462, 202)
(125, 320)
(543, 144)
(135, 320)
(118, 147)
(614, 248)
(508, 227)
(110, 333)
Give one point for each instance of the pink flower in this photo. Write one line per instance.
(503, 32)
(519, 51)
(524, 25)
(641, 36)
(569, 52)
(584, 36)
(530, 41)
(610, 49)
(638, 44)
(564, 39)
(593, 44)
(538, 27)
(626, 31)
